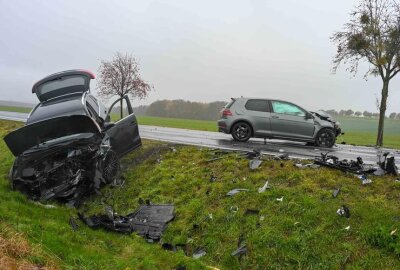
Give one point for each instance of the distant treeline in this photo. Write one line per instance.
(210, 111)
(368, 114)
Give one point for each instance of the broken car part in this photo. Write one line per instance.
(345, 165)
(240, 251)
(148, 221)
(235, 191)
(335, 193)
(254, 164)
(344, 211)
(263, 188)
(199, 253)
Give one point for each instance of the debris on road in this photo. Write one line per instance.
(284, 156)
(263, 188)
(388, 164)
(344, 211)
(235, 191)
(149, 221)
(254, 164)
(253, 154)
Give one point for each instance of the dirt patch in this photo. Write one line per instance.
(14, 251)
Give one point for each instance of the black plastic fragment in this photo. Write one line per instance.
(344, 211)
(149, 221)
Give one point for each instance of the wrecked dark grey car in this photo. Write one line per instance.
(69, 147)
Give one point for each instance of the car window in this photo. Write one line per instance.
(259, 105)
(93, 103)
(287, 108)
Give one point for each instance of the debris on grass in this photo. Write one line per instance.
(240, 251)
(252, 212)
(347, 228)
(335, 193)
(364, 179)
(393, 232)
(280, 199)
(199, 253)
(254, 164)
(73, 224)
(264, 187)
(344, 211)
(235, 191)
(149, 221)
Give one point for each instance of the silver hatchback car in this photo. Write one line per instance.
(276, 119)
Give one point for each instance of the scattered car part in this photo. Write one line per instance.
(252, 212)
(234, 209)
(364, 179)
(388, 164)
(345, 165)
(347, 228)
(199, 253)
(344, 211)
(393, 232)
(335, 193)
(263, 188)
(148, 221)
(254, 164)
(235, 191)
(253, 154)
(240, 251)
(280, 199)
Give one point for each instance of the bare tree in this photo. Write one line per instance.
(373, 36)
(120, 77)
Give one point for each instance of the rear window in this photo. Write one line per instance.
(258, 105)
(230, 103)
(61, 86)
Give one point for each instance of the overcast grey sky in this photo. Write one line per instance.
(194, 50)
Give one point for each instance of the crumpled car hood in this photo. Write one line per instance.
(324, 116)
(32, 135)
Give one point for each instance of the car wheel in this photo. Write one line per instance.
(325, 138)
(241, 132)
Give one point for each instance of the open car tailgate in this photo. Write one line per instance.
(28, 136)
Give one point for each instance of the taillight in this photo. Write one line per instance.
(226, 112)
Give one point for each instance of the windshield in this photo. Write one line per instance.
(61, 86)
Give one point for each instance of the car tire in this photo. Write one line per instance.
(325, 138)
(241, 132)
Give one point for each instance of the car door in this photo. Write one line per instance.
(124, 134)
(290, 121)
(258, 112)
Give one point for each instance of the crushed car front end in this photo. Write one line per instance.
(325, 120)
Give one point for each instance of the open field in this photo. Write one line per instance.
(303, 231)
(15, 109)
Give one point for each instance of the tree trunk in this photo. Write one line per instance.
(122, 111)
(382, 111)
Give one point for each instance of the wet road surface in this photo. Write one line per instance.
(224, 141)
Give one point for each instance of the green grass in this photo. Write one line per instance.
(302, 232)
(15, 109)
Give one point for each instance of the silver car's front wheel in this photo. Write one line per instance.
(241, 132)
(325, 138)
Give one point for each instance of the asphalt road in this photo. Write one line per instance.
(223, 141)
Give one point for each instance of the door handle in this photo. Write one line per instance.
(275, 117)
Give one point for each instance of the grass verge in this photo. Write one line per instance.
(302, 231)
